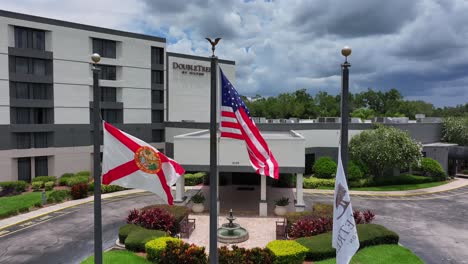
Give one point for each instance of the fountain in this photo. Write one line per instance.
(232, 233)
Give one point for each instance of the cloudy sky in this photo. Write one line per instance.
(419, 47)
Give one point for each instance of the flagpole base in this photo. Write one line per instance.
(263, 208)
(300, 207)
(180, 201)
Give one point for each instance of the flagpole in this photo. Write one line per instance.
(346, 51)
(97, 161)
(213, 159)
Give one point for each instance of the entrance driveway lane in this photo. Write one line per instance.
(68, 239)
(434, 229)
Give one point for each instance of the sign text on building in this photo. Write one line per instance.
(190, 68)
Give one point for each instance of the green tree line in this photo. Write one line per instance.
(366, 105)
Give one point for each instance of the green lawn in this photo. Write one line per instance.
(13, 205)
(403, 187)
(385, 254)
(118, 257)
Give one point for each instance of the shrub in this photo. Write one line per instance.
(57, 196)
(179, 213)
(362, 182)
(285, 180)
(324, 168)
(83, 173)
(320, 246)
(287, 251)
(455, 130)
(194, 179)
(110, 188)
(125, 230)
(64, 178)
(49, 185)
(198, 198)
(79, 191)
(242, 255)
(76, 180)
(36, 186)
(13, 187)
(182, 252)
(44, 179)
(365, 217)
(402, 179)
(310, 226)
(137, 239)
(155, 247)
(314, 183)
(154, 218)
(354, 171)
(432, 168)
(323, 209)
(283, 201)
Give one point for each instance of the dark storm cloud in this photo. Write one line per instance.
(357, 18)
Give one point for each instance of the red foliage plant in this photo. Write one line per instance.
(79, 191)
(183, 253)
(154, 218)
(365, 217)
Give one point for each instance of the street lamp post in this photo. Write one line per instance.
(97, 161)
(346, 51)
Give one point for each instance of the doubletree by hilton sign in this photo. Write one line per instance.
(190, 68)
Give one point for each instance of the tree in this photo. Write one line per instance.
(384, 148)
(363, 113)
(455, 130)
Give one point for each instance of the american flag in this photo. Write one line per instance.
(236, 123)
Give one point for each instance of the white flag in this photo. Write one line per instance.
(345, 237)
(131, 162)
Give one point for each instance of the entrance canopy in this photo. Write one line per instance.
(192, 151)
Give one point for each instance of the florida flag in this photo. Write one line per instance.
(132, 163)
(236, 123)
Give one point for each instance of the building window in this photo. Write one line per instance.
(33, 66)
(108, 94)
(41, 115)
(107, 72)
(41, 166)
(33, 115)
(157, 116)
(23, 115)
(105, 48)
(157, 77)
(41, 140)
(112, 115)
(157, 55)
(157, 97)
(23, 140)
(24, 169)
(158, 135)
(38, 91)
(28, 38)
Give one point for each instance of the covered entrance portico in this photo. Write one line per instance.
(192, 151)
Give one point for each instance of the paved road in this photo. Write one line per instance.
(434, 226)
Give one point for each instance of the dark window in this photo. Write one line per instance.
(107, 72)
(157, 55)
(157, 116)
(157, 77)
(41, 115)
(157, 97)
(32, 66)
(23, 140)
(39, 91)
(41, 140)
(105, 48)
(23, 116)
(28, 38)
(112, 115)
(24, 169)
(41, 166)
(158, 135)
(108, 94)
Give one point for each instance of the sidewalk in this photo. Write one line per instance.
(455, 184)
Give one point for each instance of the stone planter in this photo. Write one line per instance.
(280, 210)
(198, 208)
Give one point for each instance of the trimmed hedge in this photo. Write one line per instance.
(58, 196)
(49, 185)
(432, 168)
(13, 186)
(83, 173)
(106, 188)
(36, 186)
(401, 180)
(64, 178)
(287, 252)
(44, 179)
(325, 168)
(194, 179)
(155, 247)
(354, 171)
(137, 239)
(127, 229)
(320, 246)
(314, 183)
(244, 255)
(71, 181)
